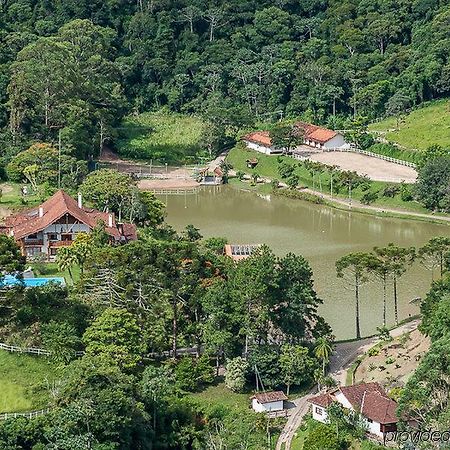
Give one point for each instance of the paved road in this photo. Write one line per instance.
(343, 356)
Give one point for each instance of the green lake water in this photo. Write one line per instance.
(322, 235)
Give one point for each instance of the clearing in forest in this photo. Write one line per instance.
(421, 128)
(162, 137)
(25, 381)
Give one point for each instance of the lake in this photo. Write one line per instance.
(322, 235)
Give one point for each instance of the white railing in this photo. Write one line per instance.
(31, 350)
(372, 154)
(28, 415)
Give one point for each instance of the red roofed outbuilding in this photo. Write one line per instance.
(56, 222)
(367, 399)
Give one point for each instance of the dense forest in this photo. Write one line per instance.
(73, 69)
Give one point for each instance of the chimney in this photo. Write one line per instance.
(80, 200)
(110, 220)
(41, 211)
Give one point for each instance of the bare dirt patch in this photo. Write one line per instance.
(173, 183)
(395, 361)
(376, 169)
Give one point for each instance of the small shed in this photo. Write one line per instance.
(269, 401)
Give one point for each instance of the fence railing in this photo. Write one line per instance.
(28, 415)
(373, 155)
(31, 350)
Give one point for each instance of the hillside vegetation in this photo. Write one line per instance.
(161, 137)
(421, 128)
(25, 381)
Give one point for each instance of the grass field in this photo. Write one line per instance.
(268, 167)
(11, 196)
(161, 137)
(421, 128)
(24, 381)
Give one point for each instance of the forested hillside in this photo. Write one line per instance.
(77, 67)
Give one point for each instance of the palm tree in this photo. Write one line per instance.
(65, 260)
(323, 350)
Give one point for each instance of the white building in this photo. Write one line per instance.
(313, 136)
(269, 401)
(319, 137)
(367, 399)
(261, 142)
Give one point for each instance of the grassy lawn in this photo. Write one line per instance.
(268, 167)
(12, 198)
(220, 394)
(24, 381)
(421, 128)
(161, 137)
(50, 269)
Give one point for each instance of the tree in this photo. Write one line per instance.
(236, 373)
(400, 258)
(11, 259)
(397, 105)
(382, 269)
(286, 137)
(432, 255)
(61, 340)
(115, 335)
(191, 233)
(285, 169)
(295, 364)
(293, 181)
(432, 183)
(354, 268)
(323, 349)
(156, 387)
(65, 260)
(322, 437)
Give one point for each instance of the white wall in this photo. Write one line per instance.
(374, 428)
(262, 149)
(266, 407)
(336, 142)
(316, 413)
(340, 397)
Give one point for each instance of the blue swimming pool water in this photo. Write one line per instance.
(11, 280)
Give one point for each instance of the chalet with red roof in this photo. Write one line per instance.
(313, 136)
(367, 399)
(57, 221)
(319, 137)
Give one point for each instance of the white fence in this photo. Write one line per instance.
(28, 415)
(373, 155)
(31, 350)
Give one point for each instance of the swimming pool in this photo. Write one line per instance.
(10, 280)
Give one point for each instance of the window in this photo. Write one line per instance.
(66, 237)
(33, 251)
(369, 420)
(52, 237)
(32, 236)
(319, 411)
(53, 251)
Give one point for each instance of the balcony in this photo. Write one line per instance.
(33, 242)
(60, 243)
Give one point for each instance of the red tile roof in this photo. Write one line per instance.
(380, 408)
(369, 399)
(268, 397)
(30, 222)
(259, 137)
(323, 400)
(315, 133)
